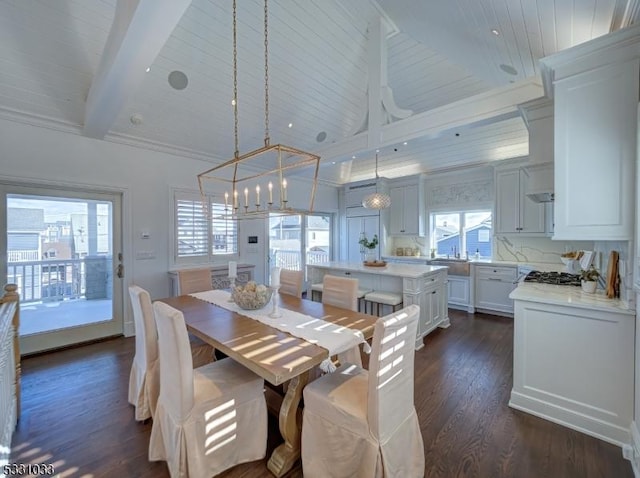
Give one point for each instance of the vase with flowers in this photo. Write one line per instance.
(368, 247)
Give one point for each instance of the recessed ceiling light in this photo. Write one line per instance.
(405, 143)
(136, 119)
(353, 157)
(333, 162)
(321, 136)
(377, 150)
(148, 70)
(495, 31)
(290, 125)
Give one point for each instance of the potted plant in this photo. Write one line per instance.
(589, 279)
(370, 245)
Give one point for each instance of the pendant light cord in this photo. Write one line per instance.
(235, 79)
(266, 75)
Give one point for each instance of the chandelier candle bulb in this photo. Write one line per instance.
(233, 269)
(257, 195)
(270, 192)
(246, 197)
(226, 200)
(275, 277)
(284, 190)
(235, 199)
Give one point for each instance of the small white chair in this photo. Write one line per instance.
(360, 423)
(207, 419)
(379, 298)
(144, 379)
(291, 282)
(194, 280)
(340, 292)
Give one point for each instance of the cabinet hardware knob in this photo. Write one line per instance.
(347, 273)
(434, 292)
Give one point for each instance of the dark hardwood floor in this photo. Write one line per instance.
(75, 414)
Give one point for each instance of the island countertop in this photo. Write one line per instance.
(410, 271)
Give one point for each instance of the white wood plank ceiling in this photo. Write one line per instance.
(440, 54)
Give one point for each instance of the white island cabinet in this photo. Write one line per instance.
(422, 285)
(573, 359)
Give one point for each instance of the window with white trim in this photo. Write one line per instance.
(461, 233)
(199, 235)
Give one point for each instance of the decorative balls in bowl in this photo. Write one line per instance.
(251, 296)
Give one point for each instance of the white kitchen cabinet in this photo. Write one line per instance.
(459, 293)
(356, 226)
(515, 212)
(493, 286)
(406, 216)
(595, 151)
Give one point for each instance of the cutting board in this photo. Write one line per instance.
(612, 274)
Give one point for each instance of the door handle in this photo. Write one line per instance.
(120, 271)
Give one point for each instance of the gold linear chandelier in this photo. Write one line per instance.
(244, 172)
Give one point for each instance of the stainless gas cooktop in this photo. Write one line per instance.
(558, 278)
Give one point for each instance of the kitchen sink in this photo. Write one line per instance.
(457, 267)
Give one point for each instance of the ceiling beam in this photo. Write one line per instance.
(139, 31)
(485, 108)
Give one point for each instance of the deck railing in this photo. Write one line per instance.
(60, 279)
(291, 259)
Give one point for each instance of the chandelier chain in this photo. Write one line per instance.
(266, 75)
(235, 79)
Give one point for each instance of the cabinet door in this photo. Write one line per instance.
(410, 215)
(458, 290)
(531, 213)
(396, 221)
(507, 201)
(595, 151)
(493, 294)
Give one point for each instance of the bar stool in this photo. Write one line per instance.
(379, 298)
(316, 289)
(361, 301)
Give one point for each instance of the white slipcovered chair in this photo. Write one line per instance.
(144, 379)
(291, 282)
(340, 292)
(194, 280)
(360, 423)
(207, 419)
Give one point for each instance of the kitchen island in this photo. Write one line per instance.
(573, 359)
(423, 285)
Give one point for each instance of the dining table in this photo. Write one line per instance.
(276, 356)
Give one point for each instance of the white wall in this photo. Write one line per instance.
(43, 156)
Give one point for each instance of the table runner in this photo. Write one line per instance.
(335, 338)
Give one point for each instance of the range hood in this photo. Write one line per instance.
(546, 196)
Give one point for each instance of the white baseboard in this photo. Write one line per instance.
(609, 432)
(633, 452)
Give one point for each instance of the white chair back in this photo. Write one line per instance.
(391, 374)
(176, 366)
(194, 280)
(146, 334)
(340, 292)
(291, 282)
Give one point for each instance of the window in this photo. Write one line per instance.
(196, 237)
(456, 234)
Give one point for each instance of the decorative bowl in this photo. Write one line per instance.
(251, 296)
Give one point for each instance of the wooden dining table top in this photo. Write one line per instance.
(274, 355)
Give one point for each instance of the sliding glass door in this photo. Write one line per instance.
(298, 240)
(63, 252)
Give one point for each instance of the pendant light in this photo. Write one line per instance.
(377, 200)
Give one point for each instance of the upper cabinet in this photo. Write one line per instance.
(595, 90)
(515, 212)
(407, 208)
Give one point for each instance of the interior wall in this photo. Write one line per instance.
(35, 155)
